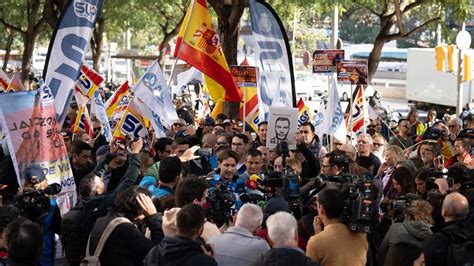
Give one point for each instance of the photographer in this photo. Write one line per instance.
(332, 235)
(414, 229)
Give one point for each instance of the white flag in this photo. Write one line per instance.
(98, 109)
(333, 116)
(153, 91)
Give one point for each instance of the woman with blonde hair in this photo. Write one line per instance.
(393, 155)
(414, 229)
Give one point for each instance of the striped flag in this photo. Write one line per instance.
(117, 99)
(358, 111)
(4, 81)
(87, 85)
(83, 122)
(198, 44)
(303, 113)
(16, 84)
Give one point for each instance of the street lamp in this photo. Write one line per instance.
(463, 42)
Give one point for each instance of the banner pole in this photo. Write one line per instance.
(245, 108)
(180, 44)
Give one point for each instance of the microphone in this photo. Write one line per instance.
(253, 185)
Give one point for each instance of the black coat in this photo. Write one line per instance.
(435, 248)
(178, 251)
(283, 257)
(126, 245)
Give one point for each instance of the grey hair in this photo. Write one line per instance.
(457, 121)
(250, 217)
(282, 228)
(369, 137)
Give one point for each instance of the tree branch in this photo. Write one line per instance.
(397, 36)
(413, 5)
(8, 25)
(398, 15)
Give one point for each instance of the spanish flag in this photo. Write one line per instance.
(83, 122)
(115, 100)
(87, 84)
(198, 44)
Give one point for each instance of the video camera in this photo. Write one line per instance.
(34, 204)
(395, 209)
(221, 204)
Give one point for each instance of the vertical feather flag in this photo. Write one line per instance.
(198, 44)
(67, 50)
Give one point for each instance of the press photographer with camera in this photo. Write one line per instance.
(332, 233)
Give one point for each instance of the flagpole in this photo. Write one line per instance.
(180, 44)
(245, 103)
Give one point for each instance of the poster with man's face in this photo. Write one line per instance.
(282, 126)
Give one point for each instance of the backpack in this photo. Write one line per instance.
(460, 252)
(93, 260)
(76, 226)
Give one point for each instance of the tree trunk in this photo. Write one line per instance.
(374, 57)
(168, 36)
(8, 47)
(96, 43)
(228, 27)
(28, 46)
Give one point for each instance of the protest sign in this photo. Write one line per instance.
(282, 126)
(353, 72)
(324, 61)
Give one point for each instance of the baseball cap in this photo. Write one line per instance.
(275, 205)
(227, 121)
(179, 121)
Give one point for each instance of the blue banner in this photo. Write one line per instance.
(276, 83)
(67, 50)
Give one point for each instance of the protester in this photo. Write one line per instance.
(126, 245)
(283, 236)
(403, 138)
(81, 160)
(365, 157)
(169, 173)
(185, 248)
(240, 144)
(23, 242)
(238, 245)
(455, 127)
(261, 139)
(312, 140)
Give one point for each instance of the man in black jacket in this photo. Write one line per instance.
(185, 248)
(455, 211)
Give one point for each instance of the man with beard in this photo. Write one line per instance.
(403, 138)
(312, 141)
(81, 160)
(428, 152)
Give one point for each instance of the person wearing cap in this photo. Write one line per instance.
(182, 112)
(239, 245)
(228, 126)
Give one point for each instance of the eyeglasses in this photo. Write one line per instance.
(378, 144)
(451, 126)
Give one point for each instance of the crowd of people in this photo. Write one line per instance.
(204, 196)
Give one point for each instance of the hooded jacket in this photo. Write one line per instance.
(178, 250)
(413, 232)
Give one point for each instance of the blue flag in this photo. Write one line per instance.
(67, 50)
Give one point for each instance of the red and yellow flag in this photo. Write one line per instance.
(198, 44)
(303, 113)
(83, 122)
(16, 84)
(87, 85)
(4, 81)
(116, 99)
(132, 124)
(358, 111)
